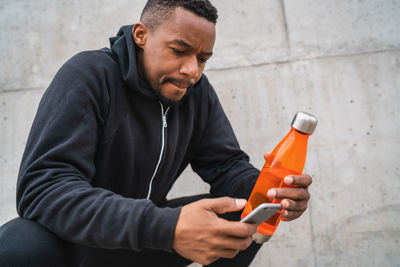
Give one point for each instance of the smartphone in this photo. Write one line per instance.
(262, 213)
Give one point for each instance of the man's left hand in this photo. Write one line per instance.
(294, 199)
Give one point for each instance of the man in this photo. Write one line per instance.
(113, 131)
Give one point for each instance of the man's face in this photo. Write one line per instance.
(174, 55)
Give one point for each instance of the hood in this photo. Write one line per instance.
(124, 48)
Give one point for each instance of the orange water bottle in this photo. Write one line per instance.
(288, 157)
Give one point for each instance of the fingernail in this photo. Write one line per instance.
(285, 204)
(240, 202)
(288, 180)
(285, 213)
(271, 193)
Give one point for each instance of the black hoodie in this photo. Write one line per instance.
(102, 153)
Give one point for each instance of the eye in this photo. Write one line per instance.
(177, 51)
(203, 60)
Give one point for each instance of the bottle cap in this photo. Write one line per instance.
(304, 122)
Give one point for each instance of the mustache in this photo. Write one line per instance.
(179, 82)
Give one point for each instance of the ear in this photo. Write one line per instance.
(139, 33)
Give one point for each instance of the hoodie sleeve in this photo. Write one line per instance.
(58, 164)
(219, 160)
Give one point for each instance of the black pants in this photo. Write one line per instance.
(26, 243)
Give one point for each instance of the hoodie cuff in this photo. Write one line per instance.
(158, 227)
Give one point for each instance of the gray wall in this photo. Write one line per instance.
(339, 60)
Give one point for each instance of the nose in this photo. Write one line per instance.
(190, 67)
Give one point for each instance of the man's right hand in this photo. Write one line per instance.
(203, 237)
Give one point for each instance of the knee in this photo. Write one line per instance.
(26, 243)
(10, 251)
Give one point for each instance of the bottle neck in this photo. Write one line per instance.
(300, 132)
(290, 153)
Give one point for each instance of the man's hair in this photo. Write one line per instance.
(156, 11)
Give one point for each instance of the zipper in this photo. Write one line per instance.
(164, 126)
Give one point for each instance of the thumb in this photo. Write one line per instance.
(266, 155)
(226, 204)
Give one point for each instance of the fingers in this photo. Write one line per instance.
(295, 193)
(295, 198)
(292, 209)
(216, 254)
(303, 180)
(227, 247)
(291, 215)
(300, 192)
(266, 155)
(236, 229)
(291, 205)
(228, 253)
(232, 243)
(208, 260)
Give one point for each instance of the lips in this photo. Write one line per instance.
(180, 86)
(179, 83)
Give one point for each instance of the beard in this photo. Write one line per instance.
(167, 101)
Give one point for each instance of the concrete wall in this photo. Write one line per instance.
(339, 60)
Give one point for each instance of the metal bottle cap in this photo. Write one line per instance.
(304, 122)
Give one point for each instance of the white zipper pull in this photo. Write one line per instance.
(164, 119)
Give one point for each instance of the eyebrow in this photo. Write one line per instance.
(183, 43)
